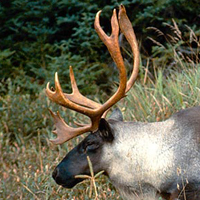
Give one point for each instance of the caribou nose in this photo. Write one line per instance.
(55, 173)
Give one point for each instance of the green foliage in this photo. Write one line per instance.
(33, 34)
(182, 48)
(156, 101)
(22, 116)
(85, 73)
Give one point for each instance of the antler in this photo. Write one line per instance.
(127, 30)
(76, 101)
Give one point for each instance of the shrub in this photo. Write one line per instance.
(33, 34)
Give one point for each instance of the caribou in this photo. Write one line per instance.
(142, 160)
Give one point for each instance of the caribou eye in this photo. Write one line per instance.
(91, 147)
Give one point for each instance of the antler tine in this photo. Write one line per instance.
(77, 97)
(59, 97)
(65, 132)
(112, 44)
(127, 29)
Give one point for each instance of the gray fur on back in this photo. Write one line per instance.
(149, 157)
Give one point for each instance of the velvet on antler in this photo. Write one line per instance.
(76, 101)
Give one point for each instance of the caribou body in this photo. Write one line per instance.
(142, 160)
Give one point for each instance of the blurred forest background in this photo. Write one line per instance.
(41, 37)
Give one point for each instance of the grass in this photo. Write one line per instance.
(26, 166)
(156, 101)
(26, 173)
(27, 158)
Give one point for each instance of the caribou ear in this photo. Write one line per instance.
(105, 130)
(116, 115)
